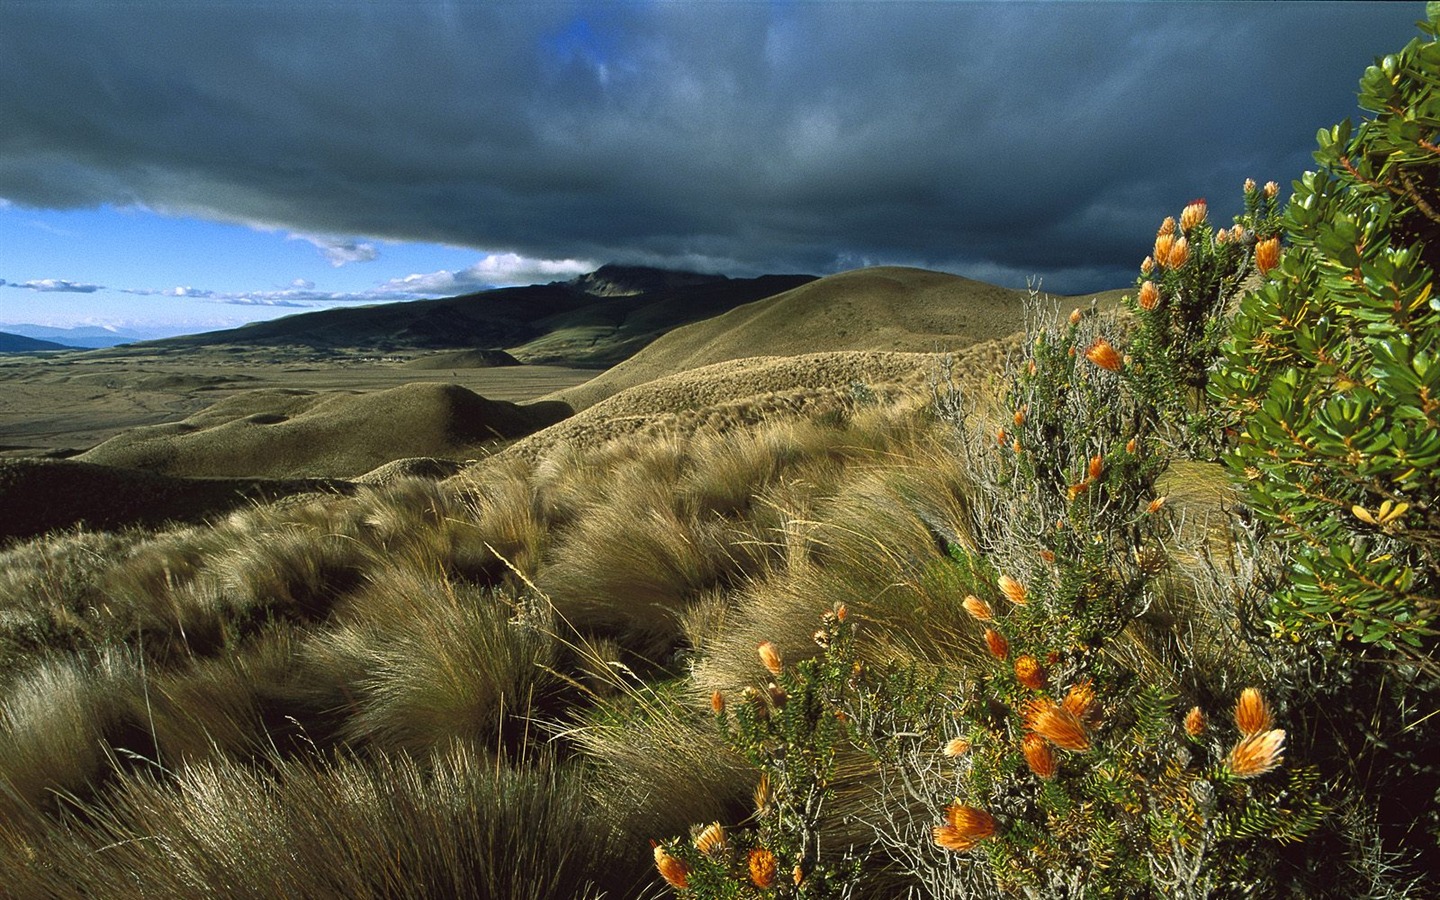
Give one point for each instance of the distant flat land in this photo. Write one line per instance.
(65, 403)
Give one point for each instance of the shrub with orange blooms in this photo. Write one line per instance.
(1184, 307)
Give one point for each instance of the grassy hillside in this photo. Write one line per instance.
(877, 309)
(285, 434)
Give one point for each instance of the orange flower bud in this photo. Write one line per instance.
(1271, 189)
(798, 875)
(1000, 436)
(1249, 185)
(956, 747)
(1104, 355)
(1057, 725)
(771, 657)
(1029, 672)
(997, 645)
(1079, 699)
(1048, 556)
(978, 608)
(1016, 448)
(1019, 417)
(1147, 266)
(762, 868)
(711, 841)
(1237, 234)
(841, 612)
(1252, 713)
(1267, 255)
(1257, 754)
(1155, 505)
(1130, 446)
(965, 826)
(1038, 756)
(1012, 589)
(1166, 227)
(1163, 245)
(1179, 254)
(1195, 722)
(675, 872)
(1193, 215)
(1096, 468)
(717, 702)
(1149, 296)
(1222, 237)
(1075, 317)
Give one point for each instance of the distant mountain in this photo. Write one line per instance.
(89, 337)
(593, 320)
(19, 343)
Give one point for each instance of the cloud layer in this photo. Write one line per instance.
(997, 140)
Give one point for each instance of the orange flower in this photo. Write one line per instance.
(956, 747)
(771, 657)
(675, 872)
(1103, 354)
(1267, 255)
(1147, 266)
(711, 841)
(762, 868)
(1149, 296)
(1163, 244)
(1195, 722)
(1179, 254)
(717, 702)
(1096, 468)
(1038, 756)
(1252, 713)
(1193, 215)
(1257, 754)
(1166, 227)
(1155, 505)
(997, 645)
(1019, 417)
(1029, 672)
(1057, 725)
(1012, 589)
(965, 827)
(1079, 699)
(978, 608)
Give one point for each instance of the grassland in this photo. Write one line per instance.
(494, 678)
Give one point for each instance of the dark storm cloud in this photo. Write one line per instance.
(996, 140)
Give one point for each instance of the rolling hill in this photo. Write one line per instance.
(18, 343)
(594, 321)
(888, 308)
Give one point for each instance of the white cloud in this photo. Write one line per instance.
(340, 251)
(58, 285)
(493, 270)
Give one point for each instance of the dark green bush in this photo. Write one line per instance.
(1333, 373)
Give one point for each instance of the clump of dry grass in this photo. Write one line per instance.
(425, 662)
(444, 824)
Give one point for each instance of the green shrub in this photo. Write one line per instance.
(1333, 373)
